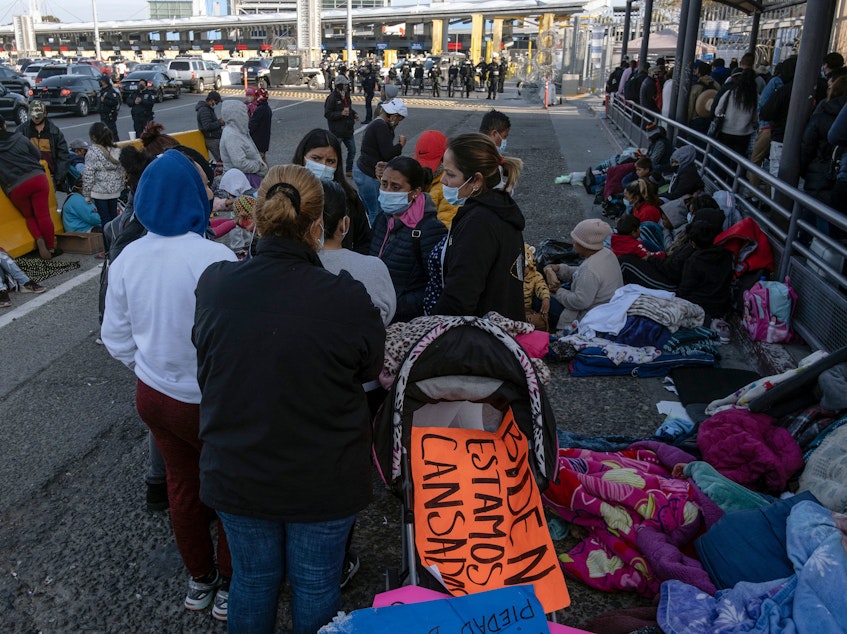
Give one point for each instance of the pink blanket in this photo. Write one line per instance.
(637, 516)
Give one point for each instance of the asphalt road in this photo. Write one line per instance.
(79, 552)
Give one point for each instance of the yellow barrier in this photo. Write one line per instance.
(16, 239)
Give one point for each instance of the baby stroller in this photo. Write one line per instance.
(467, 385)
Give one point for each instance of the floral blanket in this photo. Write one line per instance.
(813, 600)
(637, 516)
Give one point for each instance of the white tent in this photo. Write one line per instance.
(663, 43)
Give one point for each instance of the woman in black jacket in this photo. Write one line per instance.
(406, 231)
(378, 146)
(686, 180)
(483, 260)
(283, 348)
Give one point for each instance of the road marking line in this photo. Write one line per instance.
(291, 105)
(44, 298)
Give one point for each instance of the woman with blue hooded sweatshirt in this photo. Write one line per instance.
(147, 327)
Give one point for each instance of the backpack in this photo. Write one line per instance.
(614, 80)
(632, 88)
(768, 308)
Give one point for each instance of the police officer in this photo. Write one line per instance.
(142, 101)
(435, 78)
(419, 77)
(452, 78)
(503, 68)
(492, 72)
(369, 84)
(468, 78)
(110, 103)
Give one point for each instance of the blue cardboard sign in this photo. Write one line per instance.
(505, 611)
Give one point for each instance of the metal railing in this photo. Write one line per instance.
(787, 215)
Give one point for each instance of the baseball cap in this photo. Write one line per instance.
(429, 150)
(104, 77)
(78, 144)
(37, 109)
(396, 106)
(341, 80)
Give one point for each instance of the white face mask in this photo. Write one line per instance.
(451, 194)
(321, 171)
(393, 202)
(321, 238)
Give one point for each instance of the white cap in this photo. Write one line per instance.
(396, 106)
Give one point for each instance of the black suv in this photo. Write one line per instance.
(68, 93)
(13, 80)
(12, 107)
(51, 70)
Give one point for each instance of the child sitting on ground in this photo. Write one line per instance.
(536, 294)
(707, 273)
(644, 169)
(643, 198)
(592, 283)
(626, 241)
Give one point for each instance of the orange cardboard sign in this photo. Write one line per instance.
(479, 523)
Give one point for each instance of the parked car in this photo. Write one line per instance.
(103, 68)
(162, 84)
(194, 73)
(158, 67)
(31, 72)
(68, 93)
(51, 70)
(233, 65)
(258, 69)
(13, 80)
(13, 106)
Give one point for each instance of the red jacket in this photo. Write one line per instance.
(749, 245)
(623, 244)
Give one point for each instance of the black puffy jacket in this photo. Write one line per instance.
(339, 124)
(405, 256)
(815, 150)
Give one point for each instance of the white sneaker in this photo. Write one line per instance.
(721, 327)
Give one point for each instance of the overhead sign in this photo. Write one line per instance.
(479, 523)
(381, 46)
(416, 46)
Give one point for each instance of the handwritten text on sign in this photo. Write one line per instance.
(478, 515)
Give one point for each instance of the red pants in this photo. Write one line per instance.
(176, 426)
(32, 198)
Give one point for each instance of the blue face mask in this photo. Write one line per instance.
(451, 194)
(393, 202)
(321, 171)
(502, 147)
(628, 205)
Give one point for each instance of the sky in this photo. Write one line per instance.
(80, 10)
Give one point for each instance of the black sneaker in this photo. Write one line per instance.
(351, 567)
(157, 497)
(5, 302)
(32, 287)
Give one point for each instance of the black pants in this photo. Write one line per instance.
(111, 124)
(369, 113)
(139, 123)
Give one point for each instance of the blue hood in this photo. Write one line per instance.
(170, 199)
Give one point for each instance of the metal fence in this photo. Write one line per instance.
(806, 254)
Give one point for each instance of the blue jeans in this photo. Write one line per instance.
(107, 209)
(368, 191)
(264, 552)
(350, 144)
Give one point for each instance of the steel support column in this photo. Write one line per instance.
(813, 47)
(645, 33)
(754, 32)
(686, 67)
(627, 25)
(678, 71)
(477, 26)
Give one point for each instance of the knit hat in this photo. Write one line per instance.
(430, 148)
(391, 91)
(590, 234)
(37, 109)
(244, 205)
(396, 106)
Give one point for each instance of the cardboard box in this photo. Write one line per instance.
(80, 242)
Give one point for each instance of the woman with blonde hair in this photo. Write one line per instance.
(283, 349)
(483, 261)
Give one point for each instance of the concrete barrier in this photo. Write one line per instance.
(16, 239)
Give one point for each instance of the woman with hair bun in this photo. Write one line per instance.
(483, 259)
(283, 349)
